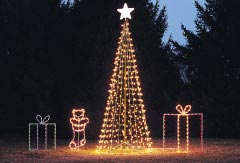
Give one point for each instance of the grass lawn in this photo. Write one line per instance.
(215, 150)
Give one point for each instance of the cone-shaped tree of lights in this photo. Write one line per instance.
(124, 123)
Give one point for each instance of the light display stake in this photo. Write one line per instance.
(41, 121)
(183, 112)
(124, 124)
(79, 122)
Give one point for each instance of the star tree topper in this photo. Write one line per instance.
(125, 12)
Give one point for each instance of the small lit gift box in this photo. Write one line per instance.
(182, 128)
(42, 135)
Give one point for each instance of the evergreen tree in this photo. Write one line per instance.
(28, 40)
(213, 67)
(55, 56)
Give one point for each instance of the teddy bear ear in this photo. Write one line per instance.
(73, 111)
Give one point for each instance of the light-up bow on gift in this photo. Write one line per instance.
(180, 109)
(41, 120)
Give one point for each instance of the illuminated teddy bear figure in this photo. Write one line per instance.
(79, 123)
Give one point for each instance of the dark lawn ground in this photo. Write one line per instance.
(215, 151)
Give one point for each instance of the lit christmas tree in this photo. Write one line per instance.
(124, 123)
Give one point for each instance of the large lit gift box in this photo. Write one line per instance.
(182, 123)
(42, 135)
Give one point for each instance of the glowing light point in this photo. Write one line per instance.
(79, 122)
(125, 12)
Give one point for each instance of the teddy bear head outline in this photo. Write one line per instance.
(78, 113)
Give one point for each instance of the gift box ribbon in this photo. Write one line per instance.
(41, 120)
(180, 109)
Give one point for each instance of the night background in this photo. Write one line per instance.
(56, 56)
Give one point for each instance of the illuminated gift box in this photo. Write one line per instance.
(185, 114)
(38, 137)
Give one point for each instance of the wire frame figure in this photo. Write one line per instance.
(79, 122)
(183, 112)
(42, 121)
